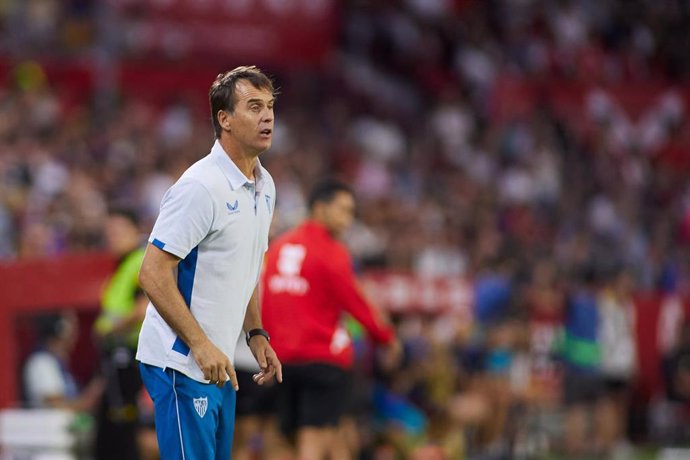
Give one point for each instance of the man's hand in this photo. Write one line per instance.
(214, 364)
(392, 355)
(268, 360)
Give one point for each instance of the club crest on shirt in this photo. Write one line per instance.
(200, 405)
(234, 207)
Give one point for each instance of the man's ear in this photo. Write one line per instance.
(224, 119)
(317, 210)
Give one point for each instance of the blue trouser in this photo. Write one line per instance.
(194, 420)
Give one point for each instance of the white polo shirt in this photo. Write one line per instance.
(217, 221)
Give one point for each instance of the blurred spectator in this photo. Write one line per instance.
(122, 431)
(48, 382)
(582, 380)
(618, 356)
(669, 413)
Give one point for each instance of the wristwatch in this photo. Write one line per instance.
(257, 331)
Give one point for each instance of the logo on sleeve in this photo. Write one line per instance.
(234, 207)
(200, 405)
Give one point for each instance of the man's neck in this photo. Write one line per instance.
(322, 222)
(128, 248)
(246, 162)
(56, 350)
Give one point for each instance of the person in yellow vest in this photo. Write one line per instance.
(119, 432)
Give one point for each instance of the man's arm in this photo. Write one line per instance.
(252, 318)
(158, 281)
(346, 289)
(87, 400)
(261, 349)
(133, 319)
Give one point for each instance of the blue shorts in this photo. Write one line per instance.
(194, 420)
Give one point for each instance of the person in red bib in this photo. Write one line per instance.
(308, 284)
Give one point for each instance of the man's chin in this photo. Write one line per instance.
(259, 149)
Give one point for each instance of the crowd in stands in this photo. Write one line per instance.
(467, 163)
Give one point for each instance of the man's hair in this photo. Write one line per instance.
(221, 96)
(325, 191)
(128, 213)
(50, 326)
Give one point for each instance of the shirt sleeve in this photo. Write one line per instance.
(185, 218)
(348, 294)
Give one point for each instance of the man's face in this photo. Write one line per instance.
(339, 213)
(120, 234)
(251, 124)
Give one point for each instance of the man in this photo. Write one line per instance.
(123, 306)
(583, 384)
(48, 382)
(307, 285)
(201, 271)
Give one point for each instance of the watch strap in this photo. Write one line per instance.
(258, 331)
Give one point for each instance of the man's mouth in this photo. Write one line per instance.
(266, 132)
